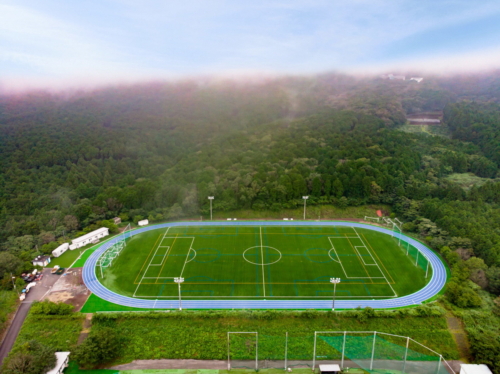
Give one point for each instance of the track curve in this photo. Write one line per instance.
(432, 288)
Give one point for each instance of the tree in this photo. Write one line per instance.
(71, 222)
(342, 202)
(100, 347)
(493, 275)
(9, 264)
(477, 269)
(30, 358)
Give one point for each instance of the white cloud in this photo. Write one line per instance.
(152, 38)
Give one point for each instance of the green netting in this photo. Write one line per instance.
(376, 354)
(272, 350)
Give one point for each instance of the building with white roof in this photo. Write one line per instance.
(60, 250)
(474, 369)
(61, 363)
(91, 237)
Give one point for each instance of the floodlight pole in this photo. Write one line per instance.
(335, 281)
(305, 199)
(179, 280)
(210, 198)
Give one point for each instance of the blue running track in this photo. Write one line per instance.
(436, 283)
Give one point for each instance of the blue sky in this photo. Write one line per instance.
(71, 43)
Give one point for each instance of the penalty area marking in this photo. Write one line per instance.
(195, 253)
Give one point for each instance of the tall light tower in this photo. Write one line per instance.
(210, 198)
(179, 280)
(305, 199)
(335, 281)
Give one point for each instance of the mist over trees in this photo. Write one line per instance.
(72, 162)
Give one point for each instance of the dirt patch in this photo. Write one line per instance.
(69, 289)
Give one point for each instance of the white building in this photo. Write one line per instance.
(91, 237)
(41, 261)
(61, 364)
(417, 79)
(144, 222)
(474, 369)
(60, 250)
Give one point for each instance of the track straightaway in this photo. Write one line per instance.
(432, 288)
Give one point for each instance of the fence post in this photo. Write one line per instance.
(228, 359)
(343, 351)
(416, 261)
(314, 351)
(257, 353)
(373, 349)
(286, 350)
(406, 354)
(439, 364)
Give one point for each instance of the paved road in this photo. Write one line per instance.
(432, 288)
(36, 293)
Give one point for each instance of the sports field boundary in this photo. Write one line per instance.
(433, 287)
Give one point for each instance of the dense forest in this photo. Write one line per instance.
(70, 162)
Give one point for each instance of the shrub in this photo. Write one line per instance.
(50, 308)
(100, 347)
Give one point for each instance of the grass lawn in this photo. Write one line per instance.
(203, 335)
(8, 303)
(58, 332)
(264, 263)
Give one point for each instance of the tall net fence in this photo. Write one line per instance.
(373, 352)
(417, 257)
(107, 258)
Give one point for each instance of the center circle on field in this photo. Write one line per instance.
(259, 249)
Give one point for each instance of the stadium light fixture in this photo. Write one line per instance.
(335, 281)
(179, 280)
(305, 199)
(210, 198)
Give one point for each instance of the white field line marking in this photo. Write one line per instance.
(145, 272)
(187, 256)
(163, 256)
(262, 258)
(362, 257)
(395, 294)
(340, 262)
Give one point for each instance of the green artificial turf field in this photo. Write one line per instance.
(252, 262)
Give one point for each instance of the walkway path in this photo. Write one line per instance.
(458, 332)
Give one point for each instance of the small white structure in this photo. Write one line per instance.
(60, 250)
(144, 222)
(329, 369)
(41, 261)
(89, 238)
(474, 369)
(61, 364)
(417, 79)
